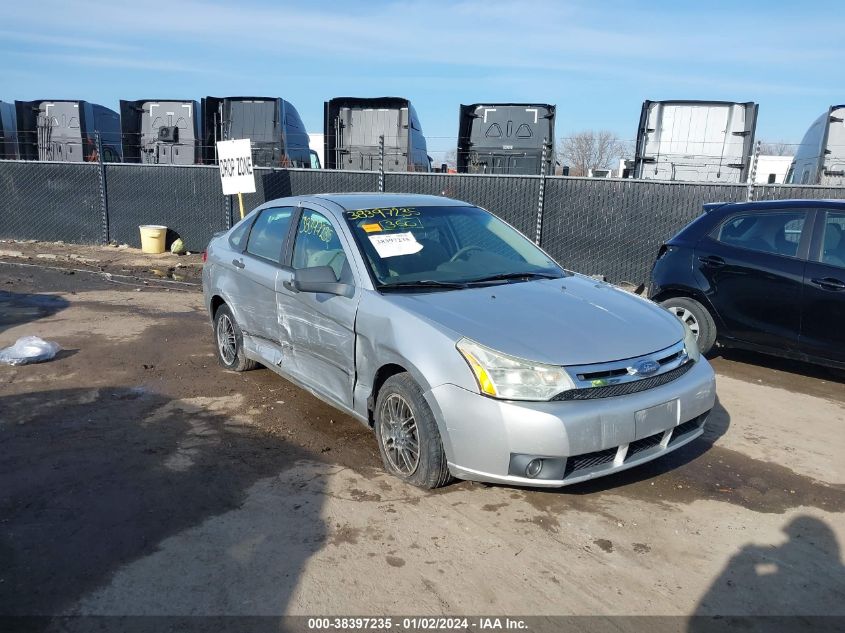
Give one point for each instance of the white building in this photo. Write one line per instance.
(315, 142)
(772, 169)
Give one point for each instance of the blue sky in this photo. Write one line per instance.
(596, 60)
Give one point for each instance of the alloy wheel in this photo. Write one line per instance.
(399, 438)
(226, 341)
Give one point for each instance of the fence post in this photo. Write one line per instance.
(381, 163)
(752, 173)
(104, 198)
(543, 159)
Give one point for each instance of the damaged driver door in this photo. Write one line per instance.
(320, 326)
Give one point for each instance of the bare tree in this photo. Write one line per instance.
(589, 149)
(451, 159)
(775, 148)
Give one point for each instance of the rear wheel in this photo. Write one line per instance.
(407, 435)
(229, 341)
(696, 317)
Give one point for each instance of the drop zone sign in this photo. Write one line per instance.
(235, 162)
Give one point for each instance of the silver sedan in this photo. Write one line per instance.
(466, 348)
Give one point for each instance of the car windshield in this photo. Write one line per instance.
(445, 247)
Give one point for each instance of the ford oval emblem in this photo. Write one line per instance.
(645, 367)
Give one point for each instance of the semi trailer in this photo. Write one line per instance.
(8, 132)
(273, 126)
(68, 131)
(354, 129)
(505, 138)
(710, 141)
(820, 159)
(161, 131)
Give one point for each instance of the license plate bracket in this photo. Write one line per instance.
(658, 418)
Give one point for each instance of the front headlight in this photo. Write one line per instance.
(510, 378)
(691, 344)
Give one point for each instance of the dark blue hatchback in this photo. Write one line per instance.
(767, 276)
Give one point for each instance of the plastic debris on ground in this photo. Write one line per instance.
(29, 349)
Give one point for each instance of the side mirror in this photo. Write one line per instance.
(320, 279)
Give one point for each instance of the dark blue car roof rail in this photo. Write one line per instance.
(775, 204)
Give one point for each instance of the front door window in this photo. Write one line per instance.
(317, 244)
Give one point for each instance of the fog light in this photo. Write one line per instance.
(534, 467)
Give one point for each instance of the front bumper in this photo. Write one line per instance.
(491, 440)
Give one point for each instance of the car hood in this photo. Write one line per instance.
(571, 321)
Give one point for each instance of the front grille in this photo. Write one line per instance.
(604, 375)
(623, 371)
(624, 388)
(644, 444)
(682, 430)
(588, 460)
(577, 463)
(669, 359)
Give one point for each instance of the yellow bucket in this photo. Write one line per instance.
(152, 238)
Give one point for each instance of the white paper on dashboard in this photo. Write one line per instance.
(393, 244)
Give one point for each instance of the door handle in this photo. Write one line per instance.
(829, 283)
(712, 260)
(238, 263)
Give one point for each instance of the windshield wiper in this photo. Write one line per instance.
(424, 283)
(507, 276)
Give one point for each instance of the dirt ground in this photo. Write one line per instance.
(139, 478)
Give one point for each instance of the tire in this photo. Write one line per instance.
(230, 357)
(697, 317)
(400, 396)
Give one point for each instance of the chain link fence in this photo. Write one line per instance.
(51, 202)
(281, 183)
(512, 198)
(614, 227)
(189, 200)
(599, 226)
(782, 192)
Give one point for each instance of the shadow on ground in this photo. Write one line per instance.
(97, 485)
(19, 308)
(802, 577)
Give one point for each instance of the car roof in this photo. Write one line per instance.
(342, 202)
(355, 201)
(773, 204)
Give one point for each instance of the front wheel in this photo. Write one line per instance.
(407, 435)
(696, 317)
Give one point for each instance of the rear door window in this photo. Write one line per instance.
(269, 232)
(237, 238)
(833, 239)
(775, 232)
